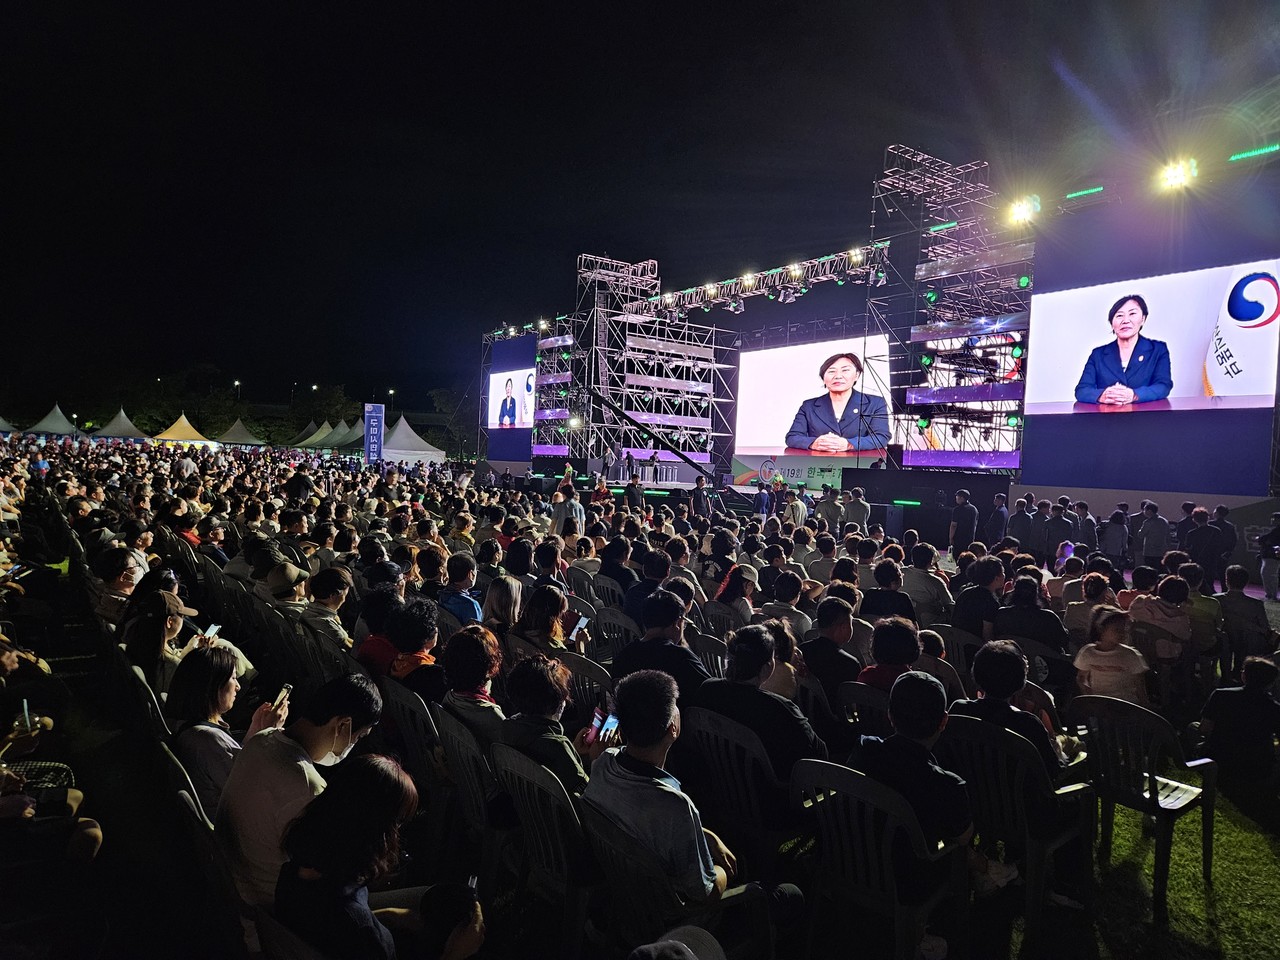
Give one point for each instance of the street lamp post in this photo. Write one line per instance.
(75, 419)
(237, 386)
(391, 403)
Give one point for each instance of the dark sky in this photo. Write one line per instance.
(324, 193)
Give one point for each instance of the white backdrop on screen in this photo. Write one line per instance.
(521, 392)
(773, 383)
(1184, 309)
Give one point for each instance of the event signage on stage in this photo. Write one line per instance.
(375, 422)
(812, 471)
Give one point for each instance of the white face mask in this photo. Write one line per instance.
(331, 758)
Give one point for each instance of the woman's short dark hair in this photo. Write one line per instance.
(999, 669)
(822, 371)
(350, 833)
(538, 685)
(1094, 585)
(845, 570)
(917, 704)
(488, 551)
(1136, 298)
(1173, 589)
(196, 686)
(471, 657)
(1025, 592)
(412, 625)
(519, 561)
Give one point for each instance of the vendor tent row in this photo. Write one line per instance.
(401, 442)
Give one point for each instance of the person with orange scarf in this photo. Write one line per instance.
(412, 630)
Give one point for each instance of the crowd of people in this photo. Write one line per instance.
(469, 592)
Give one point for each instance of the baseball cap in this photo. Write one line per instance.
(749, 572)
(207, 525)
(162, 603)
(285, 576)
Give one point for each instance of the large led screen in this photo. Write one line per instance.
(1200, 340)
(817, 398)
(509, 398)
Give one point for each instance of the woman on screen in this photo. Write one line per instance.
(507, 411)
(1130, 369)
(843, 419)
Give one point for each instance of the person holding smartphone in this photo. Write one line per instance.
(538, 689)
(203, 689)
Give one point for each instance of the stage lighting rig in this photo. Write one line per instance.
(1025, 210)
(787, 294)
(1179, 174)
(734, 306)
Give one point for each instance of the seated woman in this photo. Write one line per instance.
(585, 556)
(471, 660)
(542, 623)
(1026, 617)
(346, 837)
(412, 630)
(1165, 610)
(895, 645)
(150, 644)
(203, 689)
(1079, 613)
(501, 609)
(737, 591)
(1241, 724)
(538, 689)
(1107, 666)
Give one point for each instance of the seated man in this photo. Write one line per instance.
(455, 596)
(287, 585)
(329, 590)
(656, 568)
(886, 598)
(275, 775)
(820, 569)
(827, 656)
(1241, 724)
(977, 604)
(786, 595)
(631, 787)
(1245, 625)
(781, 727)
(929, 594)
(904, 762)
(1000, 673)
(662, 647)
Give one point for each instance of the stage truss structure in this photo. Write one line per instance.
(958, 290)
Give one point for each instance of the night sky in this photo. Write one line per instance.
(311, 192)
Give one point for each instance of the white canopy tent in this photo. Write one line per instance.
(6, 426)
(322, 430)
(403, 443)
(307, 431)
(120, 427)
(352, 438)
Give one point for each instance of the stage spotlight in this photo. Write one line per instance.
(955, 430)
(1024, 210)
(855, 256)
(771, 295)
(795, 270)
(575, 422)
(1178, 174)
(923, 423)
(748, 279)
(543, 325)
(880, 281)
(734, 306)
(706, 308)
(1013, 420)
(931, 297)
(928, 359)
(1019, 350)
(787, 295)
(710, 288)
(511, 331)
(986, 433)
(1024, 281)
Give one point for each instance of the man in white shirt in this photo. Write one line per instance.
(276, 775)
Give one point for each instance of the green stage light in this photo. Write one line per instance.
(931, 297)
(1023, 282)
(924, 422)
(565, 355)
(1248, 154)
(907, 503)
(1019, 351)
(937, 227)
(564, 393)
(1088, 191)
(1013, 420)
(927, 360)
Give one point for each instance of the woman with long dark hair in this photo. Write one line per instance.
(346, 837)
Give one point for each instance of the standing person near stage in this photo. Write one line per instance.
(830, 510)
(964, 523)
(1269, 552)
(762, 502)
(700, 498)
(993, 530)
(634, 493)
(857, 510)
(1230, 537)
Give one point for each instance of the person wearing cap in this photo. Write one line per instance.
(212, 532)
(149, 643)
(740, 585)
(964, 524)
(329, 590)
(842, 419)
(287, 585)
